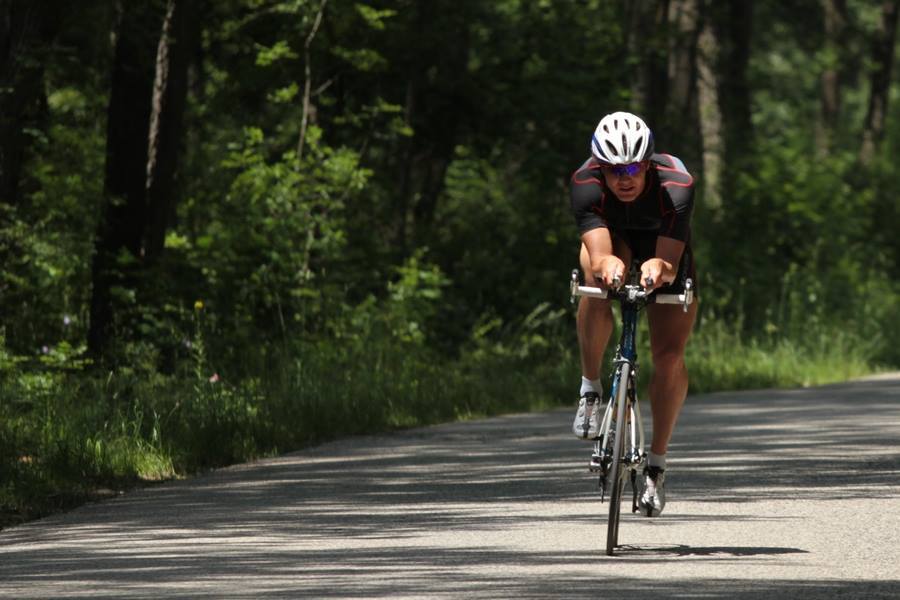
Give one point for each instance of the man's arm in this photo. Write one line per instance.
(603, 263)
(664, 267)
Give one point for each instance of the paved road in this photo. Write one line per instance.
(772, 494)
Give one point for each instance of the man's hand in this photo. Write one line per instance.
(655, 272)
(610, 270)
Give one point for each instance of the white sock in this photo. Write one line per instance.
(591, 385)
(656, 460)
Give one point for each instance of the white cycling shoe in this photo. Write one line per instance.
(587, 419)
(653, 498)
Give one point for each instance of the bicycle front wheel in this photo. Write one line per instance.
(617, 468)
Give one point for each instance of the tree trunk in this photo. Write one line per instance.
(835, 17)
(647, 43)
(882, 59)
(118, 247)
(443, 105)
(657, 53)
(710, 118)
(681, 116)
(307, 79)
(733, 23)
(409, 149)
(25, 32)
(404, 191)
(180, 28)
(685, 22)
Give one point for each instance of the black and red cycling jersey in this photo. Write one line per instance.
(663, 209)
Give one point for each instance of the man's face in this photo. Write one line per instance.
(626, 181)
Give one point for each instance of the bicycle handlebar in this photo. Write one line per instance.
(634, 293)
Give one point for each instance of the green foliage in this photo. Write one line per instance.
(281, 50)
(409, 265)
(720, 358)
(266, 250)
(47, 241)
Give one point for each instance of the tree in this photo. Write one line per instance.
(833, 75)
(733, 24)
(176, 44)
(681, 122)
(647, 42)
(27, 29)
(120, 238)
(711, 120)
(882, 61)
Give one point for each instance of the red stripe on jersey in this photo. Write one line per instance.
(674, 170)
(590, 164)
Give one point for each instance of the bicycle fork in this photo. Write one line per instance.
(601, 458)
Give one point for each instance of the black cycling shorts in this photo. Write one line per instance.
(643, 248)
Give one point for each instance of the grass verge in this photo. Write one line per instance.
(67, 437)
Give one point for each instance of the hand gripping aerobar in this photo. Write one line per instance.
(634, 293)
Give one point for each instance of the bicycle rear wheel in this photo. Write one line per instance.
(616, 479)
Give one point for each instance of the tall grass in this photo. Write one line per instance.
(722, 356)
(722, 359)
(66, 435)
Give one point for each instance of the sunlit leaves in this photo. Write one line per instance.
(281, 50)
(373, 17)
(286, 94)
(363, 59)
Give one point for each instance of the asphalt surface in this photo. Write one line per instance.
(772, 494)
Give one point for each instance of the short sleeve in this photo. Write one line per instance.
(677, 197)
(587, 197)
(678, 222)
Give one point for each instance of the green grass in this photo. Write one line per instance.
(720, 359)
(67, 436)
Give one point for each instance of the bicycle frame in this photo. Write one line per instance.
(626, 354)
(612, 457)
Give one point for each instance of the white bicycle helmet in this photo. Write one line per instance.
(622, 138)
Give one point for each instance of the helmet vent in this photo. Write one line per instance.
(637, 148)
(624, 145)
(612, 149)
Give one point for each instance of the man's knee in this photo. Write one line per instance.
(668, 360)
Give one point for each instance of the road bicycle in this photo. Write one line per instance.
(619, 450)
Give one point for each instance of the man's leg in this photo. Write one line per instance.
(594, 325)
(670, 328)
(594, 322)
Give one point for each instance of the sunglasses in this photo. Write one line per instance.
(631, 169)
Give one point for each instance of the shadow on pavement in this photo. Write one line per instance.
(646, 550)
(258, 525)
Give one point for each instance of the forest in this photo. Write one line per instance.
(234, 228)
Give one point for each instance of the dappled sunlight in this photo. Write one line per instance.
(504, 501)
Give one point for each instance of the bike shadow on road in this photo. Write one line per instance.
(665, 551)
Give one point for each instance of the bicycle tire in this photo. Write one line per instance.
(618, 453)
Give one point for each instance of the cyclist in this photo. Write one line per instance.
(633, 205)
